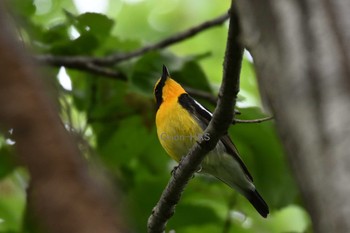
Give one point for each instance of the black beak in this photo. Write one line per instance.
(165, 73)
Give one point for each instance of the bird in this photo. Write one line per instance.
(181, 121)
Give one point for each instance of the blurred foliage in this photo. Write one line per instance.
(114, 120)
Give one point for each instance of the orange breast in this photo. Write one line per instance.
(177, 130)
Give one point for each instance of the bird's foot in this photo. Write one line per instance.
(173, 172)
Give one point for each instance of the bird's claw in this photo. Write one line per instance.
(173, 171)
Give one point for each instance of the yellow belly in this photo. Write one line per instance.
(177, 130)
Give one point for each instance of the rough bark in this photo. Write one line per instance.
(62, 194)
(302, 54)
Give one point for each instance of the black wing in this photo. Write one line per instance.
(204, 117)
(200, 112)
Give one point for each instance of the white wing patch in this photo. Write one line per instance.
(203, 108)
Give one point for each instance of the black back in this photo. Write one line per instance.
(204, 117)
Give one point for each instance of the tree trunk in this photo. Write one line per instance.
(63, 195)
(302, 56)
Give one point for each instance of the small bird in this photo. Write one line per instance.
(181, 121)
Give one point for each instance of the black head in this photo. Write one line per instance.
(158, 90)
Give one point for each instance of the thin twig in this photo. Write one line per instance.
(202, 94)
(253, 121)
(222, 118)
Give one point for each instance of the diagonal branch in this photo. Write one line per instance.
(80, 62)
(222, 118)
(96, 65)
(115, 58)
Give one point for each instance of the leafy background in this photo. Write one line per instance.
(113, 120)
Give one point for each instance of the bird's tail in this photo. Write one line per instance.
(258, 202)
(232, 172)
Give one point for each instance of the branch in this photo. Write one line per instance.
(252, 121)
(222, 118)
(206, 96)
(115, 58)
(202, 94)
(109, 73)
(96, 65)
(80, 62)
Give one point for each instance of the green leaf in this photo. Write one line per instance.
(12, 202)
(24, 8)
(81, 88)
(203, 228)
(146, 72)
(93, 28)
(192, 215)
(192, 75)
(56, 34)
(130, 137)
(83, 45)
(113, 44)
(7, 161)
(97, 24)
(126, 142)
(142, 197)
(290, 219)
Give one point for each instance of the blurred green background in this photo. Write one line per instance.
(113, 120)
